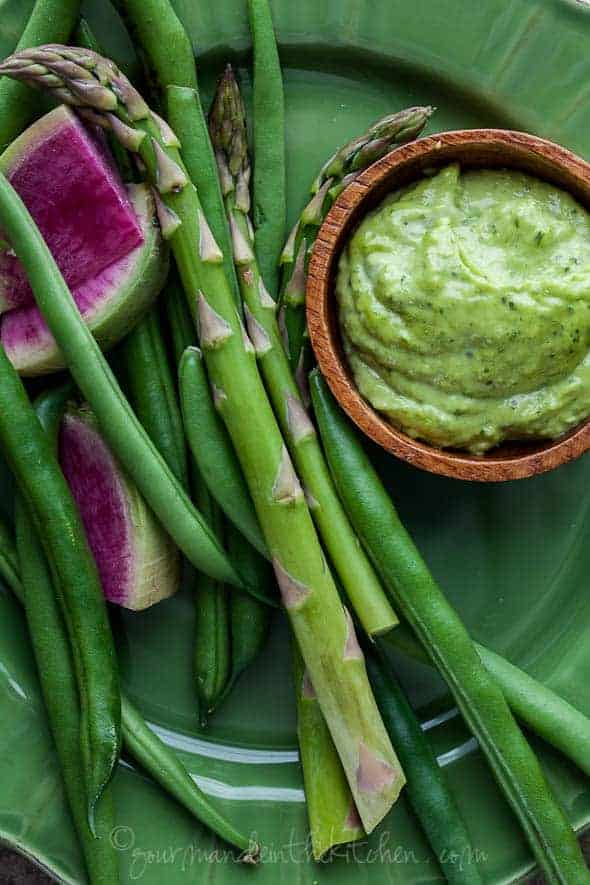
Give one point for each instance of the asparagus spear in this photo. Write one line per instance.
(336, 174)
(324, 630)
(227, 125)
(332, 814)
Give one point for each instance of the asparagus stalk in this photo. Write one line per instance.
(336, 174)
(227, 125)
(333, 817)
(324, 630)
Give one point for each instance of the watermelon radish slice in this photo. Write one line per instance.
(110, 303)
(136, 559)
(65, 177)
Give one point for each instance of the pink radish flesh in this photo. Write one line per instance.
(92, 475)
(137, 562)
(71, 188)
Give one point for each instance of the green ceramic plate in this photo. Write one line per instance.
(513, 558)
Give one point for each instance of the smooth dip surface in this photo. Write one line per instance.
(464, 305)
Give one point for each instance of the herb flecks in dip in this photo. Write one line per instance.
(465, 308)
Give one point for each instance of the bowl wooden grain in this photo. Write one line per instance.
(487, 148)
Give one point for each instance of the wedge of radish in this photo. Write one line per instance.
(111, 302)
(137, 561)
(67, 180)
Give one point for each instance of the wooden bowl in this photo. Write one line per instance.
(471, 148)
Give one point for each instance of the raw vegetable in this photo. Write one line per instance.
(248, 615)
(332, 814)
(213, 451)
(228, 134)
(335, 175)
(139, 740)
(32, 460)
(151, 390)
(49, 20)
(118, 423)
(137, 562)
(168, 56)
(249, 618)
(110, 303)
(212, 656)
(9, 568)
(268, 118)
(169, 772)
(310, 596)
(542, 710)
(443, 635)
(56, 671)
(428, 792)
(81, 204)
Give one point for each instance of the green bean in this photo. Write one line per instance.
(427, 790)
(9, 570)
(149, 385)
(213, 451)
(51, 21)
(543, 711)
(168, 56)
(56, 672)
(249, 617)
(212, 651)
(32, 460)
(168, 771)
(139, 740)
(178, 319)
(443, 635)
(268, 113)
(93, 376)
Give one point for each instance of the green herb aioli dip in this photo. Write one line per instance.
(464, 304)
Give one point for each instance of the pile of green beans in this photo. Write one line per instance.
(32, 459)
(55, 666)
(446, 641)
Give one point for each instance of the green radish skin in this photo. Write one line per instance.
(268, 117)
(427, 790)
(118, 423)
(110, 305)
(436, 624)
(213, 451)
(31, 457)
(150, 387)
(51, 21)
(56, 672)
(9, 568)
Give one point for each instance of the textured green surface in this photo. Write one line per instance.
(514, 558)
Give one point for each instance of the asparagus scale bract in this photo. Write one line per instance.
(323, 629)
(228, 133)
(336, 174)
